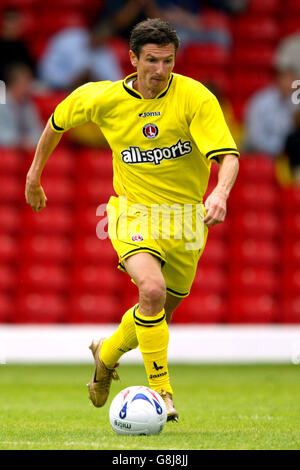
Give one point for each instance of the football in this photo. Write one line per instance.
(137, 410)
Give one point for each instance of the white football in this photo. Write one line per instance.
(137, 410)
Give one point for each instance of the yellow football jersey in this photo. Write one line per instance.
(162, 147)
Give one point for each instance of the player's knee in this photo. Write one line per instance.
(153, 290)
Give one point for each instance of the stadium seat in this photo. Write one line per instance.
(93, 308)
(50, 22)
(210, 279)
(292, 6)
(86, 219)
(7, 307)
(62, 162)
(253, 28)
(44, 277)
(9, 248)
(248, 56)
(291, 279)
(291, 252)
(215, 253)
(95, 279)
(256, 168)
(291, 223)
(245, 83)
(54, 220)
(205, 308)
(11, 161)
(256, 196)
(47, 102)
(291, 199)
(289, 24)
(90, 249)
(96, 162)
(249, 308)
(36, 307)
(265, 6)
(257, 224)
(257, 280)
(290, 309)
(95, 190)
(47, 248)
(12, 189)
(206, 55)
(8, 277)
(10, 219)
(252, 252)
(59, 190)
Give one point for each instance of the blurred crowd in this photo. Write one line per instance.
(92, 51)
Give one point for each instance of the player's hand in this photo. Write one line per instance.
(215, 206)
(34, 195)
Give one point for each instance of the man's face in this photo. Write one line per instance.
(154, 65)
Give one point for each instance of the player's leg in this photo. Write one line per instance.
(171, 304)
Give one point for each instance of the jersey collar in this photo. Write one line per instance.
(138, 95)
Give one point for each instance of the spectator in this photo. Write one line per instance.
(292, 149)
(183, 15)
(288, 53)
(75, 56)
(269, 116)
(12, 48)
(20, 124)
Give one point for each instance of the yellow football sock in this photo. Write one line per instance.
(153, 337)
(123, 340)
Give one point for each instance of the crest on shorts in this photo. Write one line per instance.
(137, 237)
(150, 131)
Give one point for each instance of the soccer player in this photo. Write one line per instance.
(164, 130)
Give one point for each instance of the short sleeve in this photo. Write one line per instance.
(78, 108)
(210, 131)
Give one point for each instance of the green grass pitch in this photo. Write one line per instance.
(220, 407)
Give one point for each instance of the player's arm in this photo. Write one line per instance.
(34, 193)
(215, 204)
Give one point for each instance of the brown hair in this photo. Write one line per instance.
(152, 31)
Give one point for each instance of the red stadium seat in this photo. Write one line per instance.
(95, 190)
(59, 189)
(53, 220)
(291, 199)
(210, 279)
(252, 28)
(215, 252)
(7, 307)
(89, 249)
(291, 223)
(205, 308)
(245, 83)
(257, 224)
(47, 103)
(47, 248)
(11, 161)
(265, 6)
(291, 252)
(252, 252)
(11, 190)
(93, 308)
(96, 162)
(256, 196)
(8, 277)
(86, 219)
(62, 162)
(292, 6)
(250, 308)
(97, 279)
(291, 280)
(249, 56)
(10, 219)
(289, 25)
(206, 55)
(291, 309)
(35, 307)
(212, 18)
(257, 280)
(50, 22)
(256, 168)
(9, 248)
(44, 277)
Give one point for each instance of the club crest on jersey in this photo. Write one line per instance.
(137, 237)
(150, 131)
